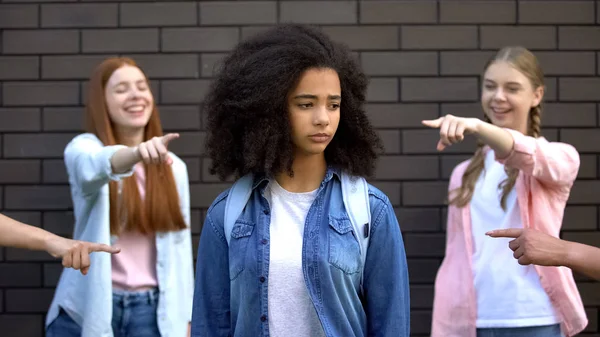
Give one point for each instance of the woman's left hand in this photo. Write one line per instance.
(452, 129)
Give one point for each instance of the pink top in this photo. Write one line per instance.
(547, 173)
(134, 268)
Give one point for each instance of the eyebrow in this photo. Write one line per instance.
(125, 83)
(309, 96)
(511, 83)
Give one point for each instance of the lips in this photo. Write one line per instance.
(500, 110)
(320, 137)
(135, 109)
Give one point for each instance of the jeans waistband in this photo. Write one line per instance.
(149, 296)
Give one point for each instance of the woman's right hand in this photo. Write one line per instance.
(154, 151)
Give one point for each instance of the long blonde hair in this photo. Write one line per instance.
(525, 62)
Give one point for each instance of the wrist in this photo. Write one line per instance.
(567, 254)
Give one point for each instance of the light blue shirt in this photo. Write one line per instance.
(88, 299)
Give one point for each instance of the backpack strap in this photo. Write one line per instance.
(355, 194)
(236, 202)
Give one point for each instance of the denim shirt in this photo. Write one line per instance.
(88, 299)
(231, 292)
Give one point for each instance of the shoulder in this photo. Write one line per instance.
(378, 201)
(84, 140)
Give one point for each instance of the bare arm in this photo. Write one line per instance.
(19, 235)
(534, 247)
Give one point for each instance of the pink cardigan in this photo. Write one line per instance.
(547, 173)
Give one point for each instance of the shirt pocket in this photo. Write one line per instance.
(238, 247)
(344, 251)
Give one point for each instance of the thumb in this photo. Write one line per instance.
(166, 139)
(433, 123)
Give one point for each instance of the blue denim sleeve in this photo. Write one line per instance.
(386, 284)
(211, 312)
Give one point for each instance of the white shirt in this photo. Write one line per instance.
(508, 294)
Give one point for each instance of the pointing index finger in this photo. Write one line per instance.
(506, 233)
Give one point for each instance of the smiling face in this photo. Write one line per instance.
(508, 95)
(129, 99)
(314, 110)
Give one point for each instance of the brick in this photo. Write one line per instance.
(398, 12)
(425, 141)
(487, 12)
(18, 16)
(248, 32)
(55, 41)
(19, 67)
(35, 145)
(449, 162)
(63, 119)
(28, 300)
(424, 193)
(20, 119)
(421, 296)
(210, 64)
(391, 140)
(387, 115)
(420, 322)
(365, 37)
(188, 144)
(588, 167)
(439, 37)
(79, 15)
(183, 91)
(1, 303)
(20, 275)
(568, 114)
(120, 40)
(54, 171)
(391, 189)
(19, 171)
(556, 12)
(399, 63)
(37, 197)
(418, 219)
(194, 168)
(30, 218)
(531, 37)
(238, 13)
(59, 222)
(70, 66)
(52, 273)
(567, 63)
(407, 168)
(462, 109)
(585, 192)
(464, 62)
(159, 14)
(196, 222)
(180, 117)
(439, 89)
(580, 218)
(423, 270)
(382, 90)
(40, 93)
(169, 65)
(551, 93)
(199, 39)
(318, 12)
(424, 245)
(22, 325)
(574, 37)
(585, 140)
(579, 88)
(550, 134)
(202, 195)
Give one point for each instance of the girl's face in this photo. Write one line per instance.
(508, 95)
(128, 98)
(314, 109)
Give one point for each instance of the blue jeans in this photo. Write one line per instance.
(134, 315)
(534, 331)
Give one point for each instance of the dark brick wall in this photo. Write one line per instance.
(423, 57)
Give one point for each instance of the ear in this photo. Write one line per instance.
(538, 94)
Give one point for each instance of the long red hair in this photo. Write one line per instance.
(161, 210)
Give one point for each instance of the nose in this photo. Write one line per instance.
(499, 95)
(321, 116)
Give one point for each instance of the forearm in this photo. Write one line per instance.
(19, 235)
(497, 138)
(124, 159)
(583, 259)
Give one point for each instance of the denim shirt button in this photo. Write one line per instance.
(266, 211)
(262, 279)
(263, 318)
(264, 241)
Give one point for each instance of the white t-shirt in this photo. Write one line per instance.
(291, 312)
(508, 294)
